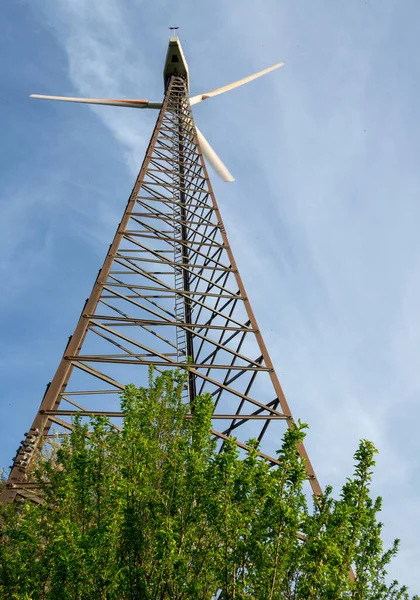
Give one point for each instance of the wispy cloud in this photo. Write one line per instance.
(104, 61)
(25, 243)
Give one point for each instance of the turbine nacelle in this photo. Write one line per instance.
(175, 64)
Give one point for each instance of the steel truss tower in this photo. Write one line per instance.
(169, 292)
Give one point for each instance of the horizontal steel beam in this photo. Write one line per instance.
(114, 414)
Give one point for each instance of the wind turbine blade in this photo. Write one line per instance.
(124, 103)
(231, 86)
(213, 159)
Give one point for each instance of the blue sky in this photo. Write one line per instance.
(323, 216)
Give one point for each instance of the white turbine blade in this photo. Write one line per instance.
(111, 102)
(231, 86)
(213, 159)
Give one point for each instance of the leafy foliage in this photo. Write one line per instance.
(155, 511)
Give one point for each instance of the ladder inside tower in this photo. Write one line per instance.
(179, 308)
(183, 305)
(181, 341)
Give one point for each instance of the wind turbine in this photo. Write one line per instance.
(168, 295)
(175, 64)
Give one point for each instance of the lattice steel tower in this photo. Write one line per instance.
(168, 292)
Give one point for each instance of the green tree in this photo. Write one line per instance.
(155, 511)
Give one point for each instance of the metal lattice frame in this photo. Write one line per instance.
(169, 289)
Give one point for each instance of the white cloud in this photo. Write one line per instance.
(25, 243)
(105, 61)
